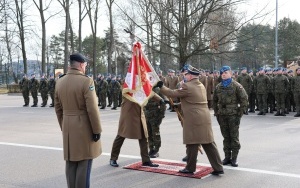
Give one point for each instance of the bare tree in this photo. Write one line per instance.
(92, 7)
(111, 44)
(66, 6)
(82, 14)
(40, 6)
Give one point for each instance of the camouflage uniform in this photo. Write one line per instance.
(109, 92)
(252, 96)
(154, 113)
(229, 104)
(280, 85)
(43, 89)
(262, 85)
(33, 87)
(25, 90)
(246, 81)
(114, 91)
(295, 87)
(51, 89)
(271, 96)
(289, 94)
(102, 91)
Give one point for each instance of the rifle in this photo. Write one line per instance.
(181, 118)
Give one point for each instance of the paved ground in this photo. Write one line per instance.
(31, 152)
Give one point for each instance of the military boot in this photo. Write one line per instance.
(297, 115)
(226, 161)
(185, 158)
(234, 162)
(260, 113)
(155, 154)
(282, 113)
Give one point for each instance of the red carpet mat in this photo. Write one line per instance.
(171, 168)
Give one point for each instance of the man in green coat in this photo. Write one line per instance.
(230, 102)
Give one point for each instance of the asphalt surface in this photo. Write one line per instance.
(31, 152)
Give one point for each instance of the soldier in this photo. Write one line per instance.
(108, 79)
(280, 85)
(246, 81)
(120, 92)
(217, 78)
(154, 113)
(43, 89)
(102, 91)
(197, 127)
(115, 88)
(79, 120)
(97, 88)
(262, 85)
(288, 104)
(161, 77)
(51, 88)
(33, 87)
(295, 87)
(210, 89)
(24, 83)
(252, 96)
(292, 101)
(230, 101)
(171, 82)
(271, 97)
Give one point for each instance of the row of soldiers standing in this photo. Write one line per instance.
(34, 86)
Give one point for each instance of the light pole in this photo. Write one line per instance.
(276, 37)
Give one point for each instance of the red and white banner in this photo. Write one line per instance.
(140, 78)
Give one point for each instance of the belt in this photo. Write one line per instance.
(74, 112)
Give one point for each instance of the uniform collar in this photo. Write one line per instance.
(75, 71)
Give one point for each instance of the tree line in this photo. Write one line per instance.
(204, 33)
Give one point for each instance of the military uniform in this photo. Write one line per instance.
(33, 87)
(154, 113)
(102, 91)
(230, 101)
(280, 85)
(108, 91)
(171, 82)
(252, 95)
(24, 83)
(43, 89)
(79, 120)
(262, 85)
(210, 90)
(289, 96)
(195, 132)
(295, 87)
(51, 89)
(246, 81)
(115, 88)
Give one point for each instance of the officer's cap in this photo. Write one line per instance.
(224, 68)
(78, 57)
(193, 71)
(279, 69)
(244, 68)
(261, 69)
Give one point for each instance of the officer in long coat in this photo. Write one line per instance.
(79, 119)
(131, 126)
(197, 128)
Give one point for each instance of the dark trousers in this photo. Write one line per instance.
(78, 173)
(211, 151)
(118, 142)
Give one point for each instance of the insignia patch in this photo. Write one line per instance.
(92, 88)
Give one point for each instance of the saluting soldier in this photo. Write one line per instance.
(24, 84)
(43, 89)
(79, 120)
(51, 88)
(230, 102)
(33, 87)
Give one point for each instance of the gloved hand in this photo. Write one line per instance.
(96, 137)
(159, 84)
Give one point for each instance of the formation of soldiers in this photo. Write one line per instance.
(33, 86)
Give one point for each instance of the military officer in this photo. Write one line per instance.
(280, 85)
(33, 87)
(24, 83)
(194, 106)
(246, 81)
(79, 120)
(51, 88)
(230, 101)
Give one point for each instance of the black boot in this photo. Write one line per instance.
(234, 162)
(277, 113)
(260, 113)
(282, 113)
(226, 161)
(103, 107)
(155, 154)
(185, 158)
(297, 115)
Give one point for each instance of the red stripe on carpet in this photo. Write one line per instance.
(170, 168)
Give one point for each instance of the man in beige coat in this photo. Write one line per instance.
(131, 126)
(79, 119)
(197, 127)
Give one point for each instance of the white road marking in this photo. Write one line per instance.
(167, 160)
